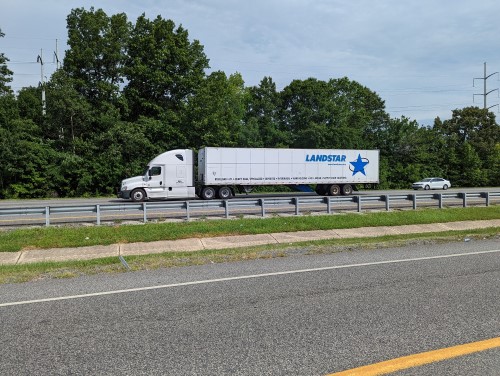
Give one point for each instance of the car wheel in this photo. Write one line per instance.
(445, 187)
(427, 187)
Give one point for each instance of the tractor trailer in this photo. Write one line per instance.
(222, 172)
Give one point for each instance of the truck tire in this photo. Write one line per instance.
(207, 193)
(138, 195)
(347, 189)
(334, 190)
(225, 193)
(321, 189)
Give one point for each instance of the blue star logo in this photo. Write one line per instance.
(359, 165)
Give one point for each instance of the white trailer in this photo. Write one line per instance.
(221, 172)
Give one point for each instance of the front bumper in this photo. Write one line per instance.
(124, 194)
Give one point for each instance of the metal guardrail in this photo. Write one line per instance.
(187, 209)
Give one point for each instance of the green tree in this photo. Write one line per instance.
(28, 162)
(336, 114)
(163, 69)
(494, 177)
(410, 152)
(470, 139)
(96, 55)
(122, 151)
(69, 114)
(5, 73)
(29, 103)
(262, 117)
(8, 114)
(215, 113)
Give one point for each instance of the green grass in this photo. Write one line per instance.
(70, 269)
(56, 237)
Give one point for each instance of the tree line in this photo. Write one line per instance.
(128, 91)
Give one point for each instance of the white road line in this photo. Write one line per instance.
(243, 277)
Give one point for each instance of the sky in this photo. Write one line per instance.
(424, 58)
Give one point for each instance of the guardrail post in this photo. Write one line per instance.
(226, 207)
(414, 202)
(464, 195)
(440, 197)
(359, 203)
(144, 209)
(387, 199)
(487, 194)
(296, 199)
(328, 205)
(187, 210)
(262, 207)
(98, 214)
(47, 216)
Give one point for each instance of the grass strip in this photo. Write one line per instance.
(61, 237)
(71, 269)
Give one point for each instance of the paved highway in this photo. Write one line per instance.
(112, 200)
(64, 211)
(298, 315)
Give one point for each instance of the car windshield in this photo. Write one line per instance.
(428, 179)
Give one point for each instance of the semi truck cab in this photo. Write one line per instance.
(168, 175)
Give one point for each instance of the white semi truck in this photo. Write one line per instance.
(221, 172)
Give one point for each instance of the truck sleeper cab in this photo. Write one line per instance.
(169, 175)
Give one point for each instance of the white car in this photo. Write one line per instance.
(432, 183)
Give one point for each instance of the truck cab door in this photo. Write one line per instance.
(156, 185)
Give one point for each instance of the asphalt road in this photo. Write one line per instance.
(113, 200)
(123, 210)
(298, 315)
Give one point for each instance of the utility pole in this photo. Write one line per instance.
(485, 93)
(39, 59)
(56, 57)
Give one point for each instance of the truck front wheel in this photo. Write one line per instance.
(138, 195)
(207, 193)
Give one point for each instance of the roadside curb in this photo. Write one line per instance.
(224, 242)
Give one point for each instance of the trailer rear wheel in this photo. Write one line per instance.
(347, 189)
(225, 193)
(334, 190)
(207, 193)
(138, 195)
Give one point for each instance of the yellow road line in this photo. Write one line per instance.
(415, 360)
